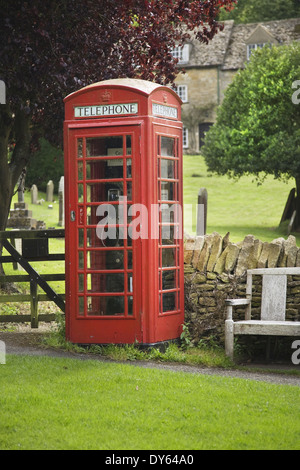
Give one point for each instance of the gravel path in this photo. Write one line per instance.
(28, 343)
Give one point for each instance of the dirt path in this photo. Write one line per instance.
(27, 342)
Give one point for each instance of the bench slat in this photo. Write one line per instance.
(273, 299)
(259, 327)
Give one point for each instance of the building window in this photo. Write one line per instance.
(182, 92)
(181, 53)
(253, 47)
(185, 138)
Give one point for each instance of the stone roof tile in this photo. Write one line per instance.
(228, 47)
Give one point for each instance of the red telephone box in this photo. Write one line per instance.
(123, 196)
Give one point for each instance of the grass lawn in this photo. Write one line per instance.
(239, 207)
(57, 404)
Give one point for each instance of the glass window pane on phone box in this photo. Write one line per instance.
(167, 147)
(168, 257)
(129, 258)
(130, 283)
(169, 301)
(80, 192)
(168, 234)
(129, 191)
(115, 215)
(79, 148)
(81, 260)
(105, 260)
(81, 238)
(168, 280)
(108, 305)
(128, 145)
(106, 282)
(114, 238)
(104, 169)
(81, 305)
(167, 191)
(130, 305)
(80, 171)
(80, 282)
(108, 259)
(167, 168)
(129, 165)
(104, 192)
(168, 213)
(92, 240)
(104, 146)
(91, 217)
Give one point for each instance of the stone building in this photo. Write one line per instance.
(210, 68)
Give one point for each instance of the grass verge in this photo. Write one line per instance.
(205, 354)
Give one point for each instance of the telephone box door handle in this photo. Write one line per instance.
(73, 216)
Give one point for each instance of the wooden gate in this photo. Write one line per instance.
(35, 247)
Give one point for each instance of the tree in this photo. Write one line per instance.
(257, 127)
(50, 49)
(253, 11)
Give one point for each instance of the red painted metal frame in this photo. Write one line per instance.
(148, 325)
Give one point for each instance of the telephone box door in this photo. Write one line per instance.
(103, 268)
(168, 153)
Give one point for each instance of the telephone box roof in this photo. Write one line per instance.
(143, 86)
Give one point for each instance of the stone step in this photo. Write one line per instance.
(18, 222)
(21, 205)
(20, 213)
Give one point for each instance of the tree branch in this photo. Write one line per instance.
(21, 153)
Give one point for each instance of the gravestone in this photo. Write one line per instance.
(61, 197)
(34, 194)
(21, 217)
(21, 190)
(202, 212)
(49, 191)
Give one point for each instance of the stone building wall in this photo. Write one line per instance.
(215, 269)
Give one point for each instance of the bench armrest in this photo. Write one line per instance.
(232, 303)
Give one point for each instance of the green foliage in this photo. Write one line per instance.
(185, 336)
(252, 11)
(46, 164)
(8, 309)
(257, 129)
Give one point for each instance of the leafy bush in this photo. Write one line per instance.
(46, 164)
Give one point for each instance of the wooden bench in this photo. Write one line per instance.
(273, 308)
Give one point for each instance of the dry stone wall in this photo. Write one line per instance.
(215, 269)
